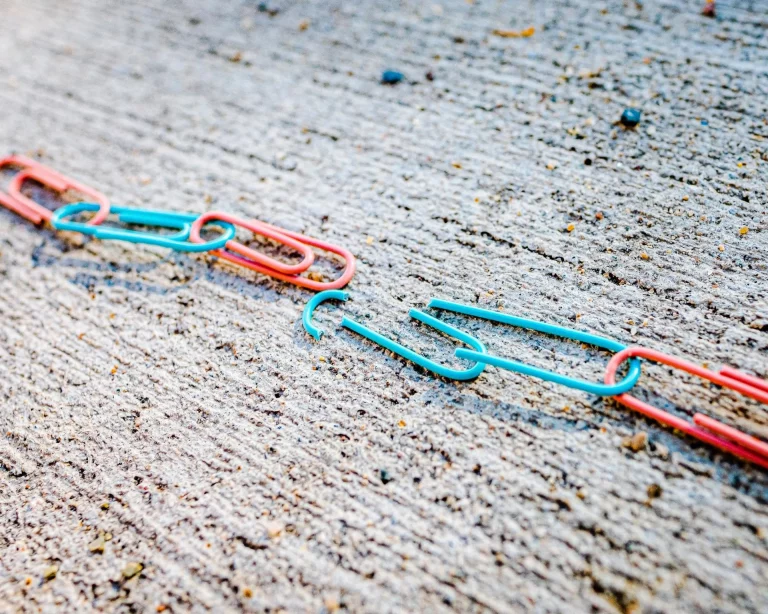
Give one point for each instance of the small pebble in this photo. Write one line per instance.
(49, 573)
(386, 478)
(527, 33)
(331, 603)
(654, 491)
(274, 529)
(430, 76)
(743, 230)
(636, 442)
(570, 227)
(630, 117)
(391, 77)
(709, 10)
(131, 570)
(97, 545)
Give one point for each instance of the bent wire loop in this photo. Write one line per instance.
(24, 163)
(178, 241)
(551, 329)
(297, 280)
(428, 364)
(36, 213)
(309, 309)
(248, 254)
(703, 428)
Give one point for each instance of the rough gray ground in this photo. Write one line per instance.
(246, 466)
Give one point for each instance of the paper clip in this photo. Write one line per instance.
(36, 213)
(420, 360)
(24, 163)
(309, 309)
(260, 228)
(28, 163)
(297, 280)
(551, 329)
(703, 428)
(178, 241)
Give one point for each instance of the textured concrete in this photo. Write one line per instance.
(170, 410)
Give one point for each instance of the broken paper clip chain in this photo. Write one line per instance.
(189, 227)
(704, 428)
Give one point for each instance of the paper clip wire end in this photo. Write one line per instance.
(314, 302)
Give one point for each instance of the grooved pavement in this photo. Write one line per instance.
(175, 405)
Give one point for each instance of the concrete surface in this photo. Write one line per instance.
(170, 411)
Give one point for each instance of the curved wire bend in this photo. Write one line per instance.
(248, 254)
(296, 280)
(703, 428)
(428, 364)
(314, 302)
(551, 329)
(178, 241)
(35, 213)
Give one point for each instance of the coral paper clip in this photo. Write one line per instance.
(296, 280)
(250, 255)
(36, 213)
(178, 241)
(703, 428)
(551, 329)
(23, 163)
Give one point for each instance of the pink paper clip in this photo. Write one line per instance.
(703, 428)
(25, 164)
(276, 234)
(297, 280)
(36, 213)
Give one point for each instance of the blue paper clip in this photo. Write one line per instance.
(178, 241)
(418, 358)
(551, 329)
(309, 309)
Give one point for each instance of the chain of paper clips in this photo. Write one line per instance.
(188, 238)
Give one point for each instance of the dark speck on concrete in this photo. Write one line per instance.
(630, 117)
(385, 476)
(390, 77)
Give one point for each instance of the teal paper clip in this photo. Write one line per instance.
(144, 217)
(428, 364)
(309, 309)
(551, 329)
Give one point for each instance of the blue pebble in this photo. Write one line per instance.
(704, 122)
(631, 117)
(390, 77)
